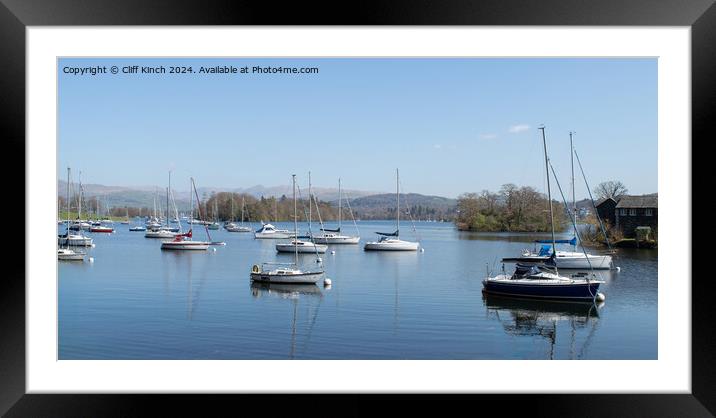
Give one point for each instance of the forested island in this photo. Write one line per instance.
(512, 209)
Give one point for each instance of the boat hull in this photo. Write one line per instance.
(290, 248)
(273, 235)
(580, 262)
(581, 290)
(75, 241)
(303, 278)
(157, 234)
(102, 230)
(239, 229)
(336, 240)
(64, 255)
(391, 246)
(185, 246)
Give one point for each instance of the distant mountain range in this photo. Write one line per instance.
(365, 204)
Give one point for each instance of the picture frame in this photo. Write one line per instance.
(15, 16)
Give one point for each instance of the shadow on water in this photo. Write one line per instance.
(536, 318)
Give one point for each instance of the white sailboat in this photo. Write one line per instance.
(565, 259)
(391, 241)
(302, 246)
(67, 254)
(163, 231)
(287, 272)
(183, 242)
(233, 226)
(334, 236)
(75, 239)
(153, 221)
(126, 222)
(79, 224)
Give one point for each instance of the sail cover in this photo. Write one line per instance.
(388, 234)
(572, 241)
(551, 261)
(331, 230)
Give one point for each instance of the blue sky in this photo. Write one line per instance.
(450, 125)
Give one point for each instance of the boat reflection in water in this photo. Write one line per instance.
(285, 291)
(541, 318)
(293, 292)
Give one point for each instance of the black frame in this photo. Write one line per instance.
(15, 15)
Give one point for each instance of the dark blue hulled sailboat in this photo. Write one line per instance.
(529, 281)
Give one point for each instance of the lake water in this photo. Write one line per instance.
(136, 301)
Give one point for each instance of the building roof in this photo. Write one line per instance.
(602, 200)
(645, 201)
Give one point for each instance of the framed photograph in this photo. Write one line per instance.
(462, 201)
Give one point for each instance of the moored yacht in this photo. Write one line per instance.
(76, 240)
(185, 242)
(269, 231)
(563, 259)
(301, 247)
(287, 272)
(334, 236)
(391, 241)
(532, 282)
(66, 254)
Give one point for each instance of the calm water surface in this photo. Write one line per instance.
(139, 302)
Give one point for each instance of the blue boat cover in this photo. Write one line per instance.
(572, 241)
(331, 230)
(545, 250)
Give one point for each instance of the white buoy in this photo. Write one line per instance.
(92, 245)
(333, 252)
(326, 282)
(319, 259)
(91, 259)
(422, 250)
(619, 269)
(600, 297)
(213, 249)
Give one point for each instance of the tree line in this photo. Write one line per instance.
(511, 209)
(216, 207)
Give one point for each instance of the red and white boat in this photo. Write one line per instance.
(102, 228)
(184, 241)
(181, 243)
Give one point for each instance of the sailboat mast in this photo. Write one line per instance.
(397, 196)
(170, 185)
(339, 203)
(295, 221)
(549, 192)
(574, 197)
(310, 198)
(79, 200)
(67, 239)
(191, 207)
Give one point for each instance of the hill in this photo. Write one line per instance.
(382, 206)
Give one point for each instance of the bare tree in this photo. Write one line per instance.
(612, 188)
